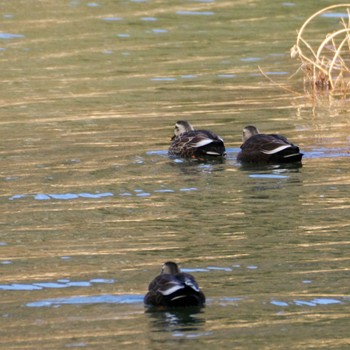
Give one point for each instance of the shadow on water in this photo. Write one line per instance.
(191, 167)
(176, 320)
(276, 169)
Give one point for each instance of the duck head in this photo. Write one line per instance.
(249, 131)
(181, 127)
(170, 268)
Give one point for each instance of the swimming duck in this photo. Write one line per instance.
(174, 288)
(190, 143)
(266, 148)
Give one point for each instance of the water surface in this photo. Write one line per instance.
(92, 206)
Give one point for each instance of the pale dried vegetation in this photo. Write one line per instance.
(325, 64)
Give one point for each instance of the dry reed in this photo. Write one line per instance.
(327, 67)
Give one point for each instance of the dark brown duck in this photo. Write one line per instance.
(173, 288)
(267, 148)
(190, 143)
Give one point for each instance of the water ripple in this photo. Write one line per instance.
(86, 195)
(226, 76)
(62, 196)
(312, 302)
(159, 31)
(150, 19)
(267, 176)
(327, 153)
(93, 299)
(334, 15)
(195, 13)
(10, 36)
(112, 18)
(163, 79)
(53, 285)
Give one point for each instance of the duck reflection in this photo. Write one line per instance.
(194, 167)
(292, 167)
(175, 320)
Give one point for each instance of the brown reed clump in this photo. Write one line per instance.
(326, 68)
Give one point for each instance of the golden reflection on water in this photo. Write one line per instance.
(86, 112)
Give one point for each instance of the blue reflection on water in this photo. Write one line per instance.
(158, 152)
(159, 31)
(268, 176)
(326, 301)
(63, 283)
(207, 269)
(327, 153)
(196, 13)
(230, 299)
(6, 262)
(163, 79)
(10, 36)
(250, 59)
(70, 196)
(19, 286)
(304, 303)
(165, 190)
(191, 335)
(312, 302)
(151, 19)
(189, 76)
(279, 303)
(219, 268)
(138, 298)
(276, 73)
(194, 270)
(126, 194)
(143, 194)
(227, 76)
(63, 196)
(94, 299)
(334, 15)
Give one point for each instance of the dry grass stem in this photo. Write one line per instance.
(326, 67)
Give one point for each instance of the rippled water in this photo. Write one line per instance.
(92, 206)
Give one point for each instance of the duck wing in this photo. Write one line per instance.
(197, 142)
(187, 281)
(268, 144)
(196, 138)
(174, 290)
(167, 284)
(268, 148)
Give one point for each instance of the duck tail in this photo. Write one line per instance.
(214, 149)
(288, 155)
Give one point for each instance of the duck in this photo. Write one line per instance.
(173, 288)
(267, 148)
(197, 144)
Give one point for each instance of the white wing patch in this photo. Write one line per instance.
(174, 286)
(210, 153)
(190, 284)
(291, 155)
(202, 143)
(179, 297)
(170, 288)
(276, 150)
